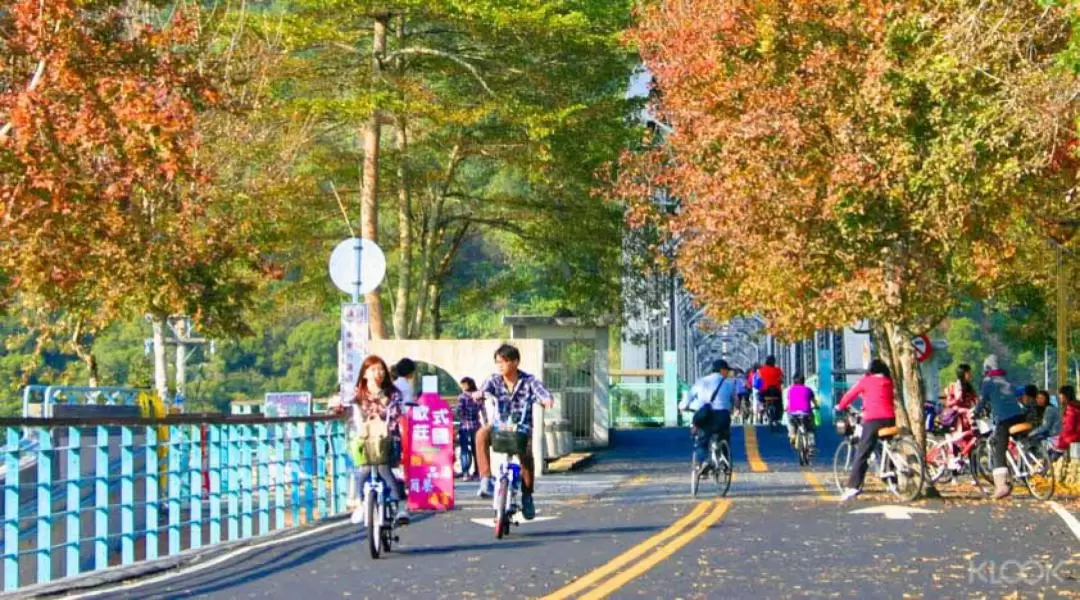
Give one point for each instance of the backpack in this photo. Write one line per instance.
(704, 414)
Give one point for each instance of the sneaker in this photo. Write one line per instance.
(359, 516)
(487, 488)
(528, 509)
(402, 517)
(849, 494)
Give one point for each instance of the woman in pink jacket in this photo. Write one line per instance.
(876, 390)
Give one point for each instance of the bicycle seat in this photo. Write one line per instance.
(888, 432)
(1020, 429)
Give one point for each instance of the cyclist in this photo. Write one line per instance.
(772, 383)
(801, 403)
(996, 392)
(876, 389)
(515, 392)
(711, 399)
(377, 399)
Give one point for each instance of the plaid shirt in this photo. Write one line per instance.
(387, 409)
(468, 412)
(515, 405)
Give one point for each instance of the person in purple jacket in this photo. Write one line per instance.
(801, 403)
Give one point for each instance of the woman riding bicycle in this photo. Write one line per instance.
(801, 403)
(960, 398)
(997, 393)
(379, 403)
(876, 390)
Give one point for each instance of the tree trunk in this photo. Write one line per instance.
(369, 192)
(436, 310)
(405, 240)
(85, 352)
(435, 289)
(181, 358)
(429, 237)
(908, 378)
(161, 382)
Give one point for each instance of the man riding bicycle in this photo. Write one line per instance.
(772, 383)
(801, 403)
(515, 391)
(711, 400)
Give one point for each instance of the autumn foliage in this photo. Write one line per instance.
(841, 160)
(103, 202)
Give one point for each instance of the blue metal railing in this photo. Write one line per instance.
(119, 491)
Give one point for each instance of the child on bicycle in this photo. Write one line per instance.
(515, 392)
(877, 392)
(996, 392)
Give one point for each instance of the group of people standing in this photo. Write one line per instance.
(383, 398)
(1058, 427)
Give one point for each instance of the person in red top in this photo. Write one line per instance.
(876, 390)
(772, 383)
(1070, 424)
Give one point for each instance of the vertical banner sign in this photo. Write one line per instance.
(429, 465)
(353, 349)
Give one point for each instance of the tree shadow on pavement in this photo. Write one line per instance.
(578, 532)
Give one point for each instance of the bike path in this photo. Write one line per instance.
(440, 556)
(817, 548)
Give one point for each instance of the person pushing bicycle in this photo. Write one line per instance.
(711, 399)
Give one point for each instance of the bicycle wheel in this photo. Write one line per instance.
(937, 462)
(501, 518)
(842, 463)
(722, 473)
(374, 525)
(1040, 481)
(695, 475)
(388, 530)
(983, 465)
(910, 471)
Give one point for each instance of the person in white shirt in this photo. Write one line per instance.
(406, 375)
(716, 390)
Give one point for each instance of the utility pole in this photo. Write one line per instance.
(1061, 231)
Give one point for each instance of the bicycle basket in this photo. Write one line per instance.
(509, 442)
(843, 427)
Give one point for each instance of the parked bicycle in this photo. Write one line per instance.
(950, 456)
(379, 511)
(1028, 462)
(717, 466)
(899, 463)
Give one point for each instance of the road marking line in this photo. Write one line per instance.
(1066, 516)
(753, 456)
(612, 585)
(817, 485)
(591, 578)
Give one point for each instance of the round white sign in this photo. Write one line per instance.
(344, 271)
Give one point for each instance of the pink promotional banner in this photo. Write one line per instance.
(429, 446)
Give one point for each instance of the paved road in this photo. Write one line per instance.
(625, 528)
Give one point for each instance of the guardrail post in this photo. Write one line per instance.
(294, 442)
(173, 482)
(215, 483)
(277, 443)
(308, 441)
(127, 495)
(152, 502)
(101, 498)
(11, 510)
(232, 493)
(245, 480)
(74, 501)
(321, 441)
(263, 461)
(195, 487)
(342, 476)
(44, 507)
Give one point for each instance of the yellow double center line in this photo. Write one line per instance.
(753, 454)
(684, 531)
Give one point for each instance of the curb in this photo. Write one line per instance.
(570, 462)
(96, 581)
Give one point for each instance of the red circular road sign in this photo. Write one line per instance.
(924, 349)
